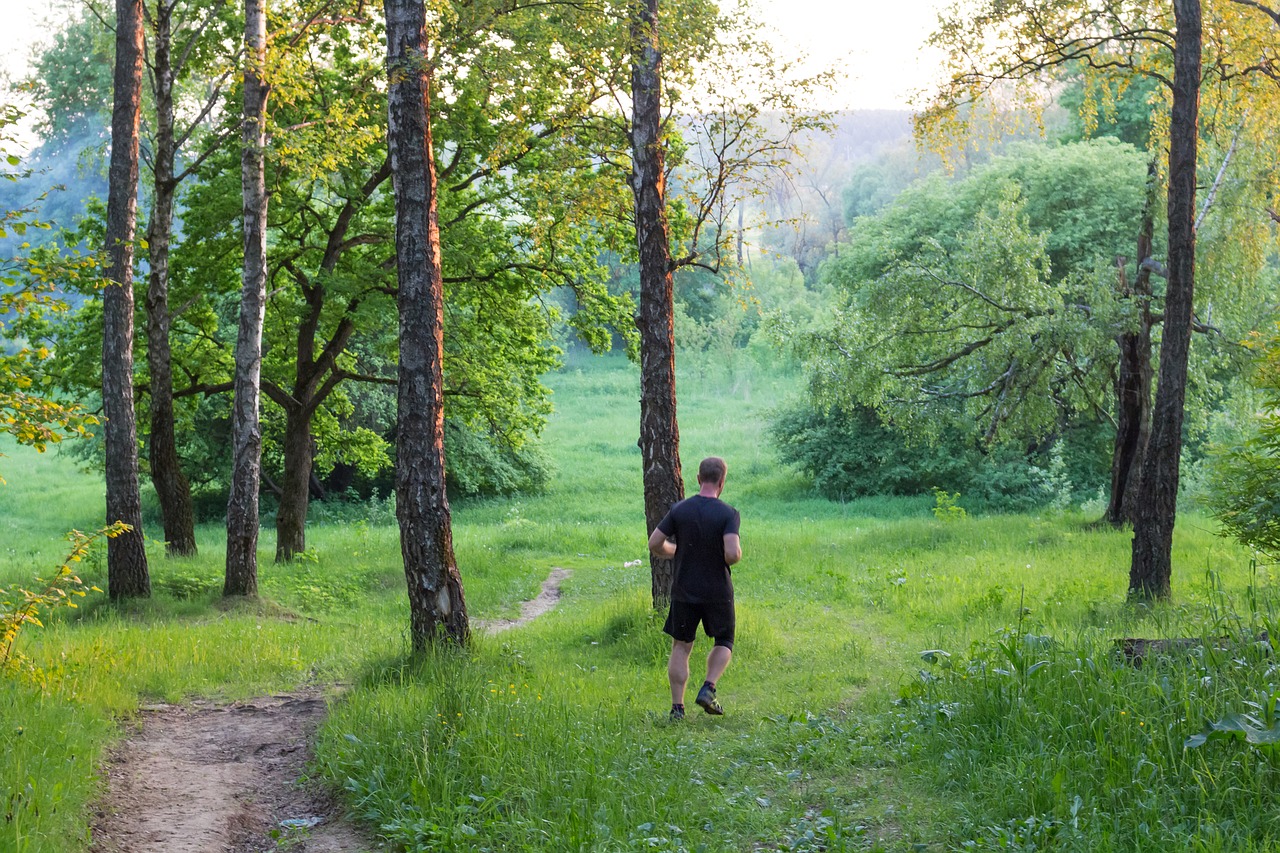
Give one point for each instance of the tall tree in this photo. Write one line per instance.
(659, 430)
(1152, 566)
(171, 483)
(246, 466)
(437, 608)
(166, 470)
(973, 306)
(127, 574)
(1014, 44)
(1134, 373)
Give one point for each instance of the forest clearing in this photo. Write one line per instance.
(847, 724)
(356, 361)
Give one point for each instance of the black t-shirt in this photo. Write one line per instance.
(699, 526)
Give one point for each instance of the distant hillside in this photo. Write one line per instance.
(862, 135)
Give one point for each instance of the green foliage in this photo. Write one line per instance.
(946, 506)
(850, 453)
(20, 606)
(984, 305)
(1244, 483)
(1101, 110)
(29, 296)
(488, 468)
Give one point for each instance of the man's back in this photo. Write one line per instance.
(699, 525)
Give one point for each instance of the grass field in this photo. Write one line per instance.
(1016, 730)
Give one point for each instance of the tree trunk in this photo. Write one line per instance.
(1150, 571)
(1133, 381)
(127, 574)
(166, 469)
(314, 379)
(246, 430)
(437, 607)
(659, 433)
(295, 486)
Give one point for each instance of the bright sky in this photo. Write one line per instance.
(878, 46)
(25, 21)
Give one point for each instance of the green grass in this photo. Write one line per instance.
(553, 736)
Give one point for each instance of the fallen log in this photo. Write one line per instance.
(1135, 650)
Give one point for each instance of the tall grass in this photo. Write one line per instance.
(554, 736)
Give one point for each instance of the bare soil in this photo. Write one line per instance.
(215, 778)
(207, 778)
(545, 602)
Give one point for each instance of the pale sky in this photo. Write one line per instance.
(879, 45)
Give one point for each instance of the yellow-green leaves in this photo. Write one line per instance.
(20, 606)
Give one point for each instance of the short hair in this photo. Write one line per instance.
(712, 470)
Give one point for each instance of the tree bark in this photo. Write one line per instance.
(295, 485)
(166, 469)
(1151, 568)
(1133, 379)
(659, 432)
(246, 429)
(437, 607)
(127, 575)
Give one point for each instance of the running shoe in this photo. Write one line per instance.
(707, 699)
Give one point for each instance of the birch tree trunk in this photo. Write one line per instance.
(1151, 568)
(437, 608)
(246, 429)
(166, 468)
(659, 432)
(127, 575)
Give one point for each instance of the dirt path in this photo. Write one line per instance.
(209, 778)
(532, 609)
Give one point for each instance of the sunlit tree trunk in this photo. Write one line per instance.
(246, 429)
(127, 574)
(166, 469)
(1150, 571)
(659, 432)
(437, 608)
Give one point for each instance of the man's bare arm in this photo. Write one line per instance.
(660, 545)
(732, 549)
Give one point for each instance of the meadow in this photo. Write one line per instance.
(900, 681)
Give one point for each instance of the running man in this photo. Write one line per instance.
(701, 534)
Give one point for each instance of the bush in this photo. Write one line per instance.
(1244, 478)
(484, 466)
(851, 454)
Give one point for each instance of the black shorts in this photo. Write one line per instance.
(716, 617)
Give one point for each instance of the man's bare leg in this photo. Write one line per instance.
(678, 670)
(717, 661)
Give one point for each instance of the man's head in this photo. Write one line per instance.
(711, 472)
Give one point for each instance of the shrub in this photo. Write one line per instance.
(851, 454)
(1244, 482)
(20, 607)
(485, 466)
